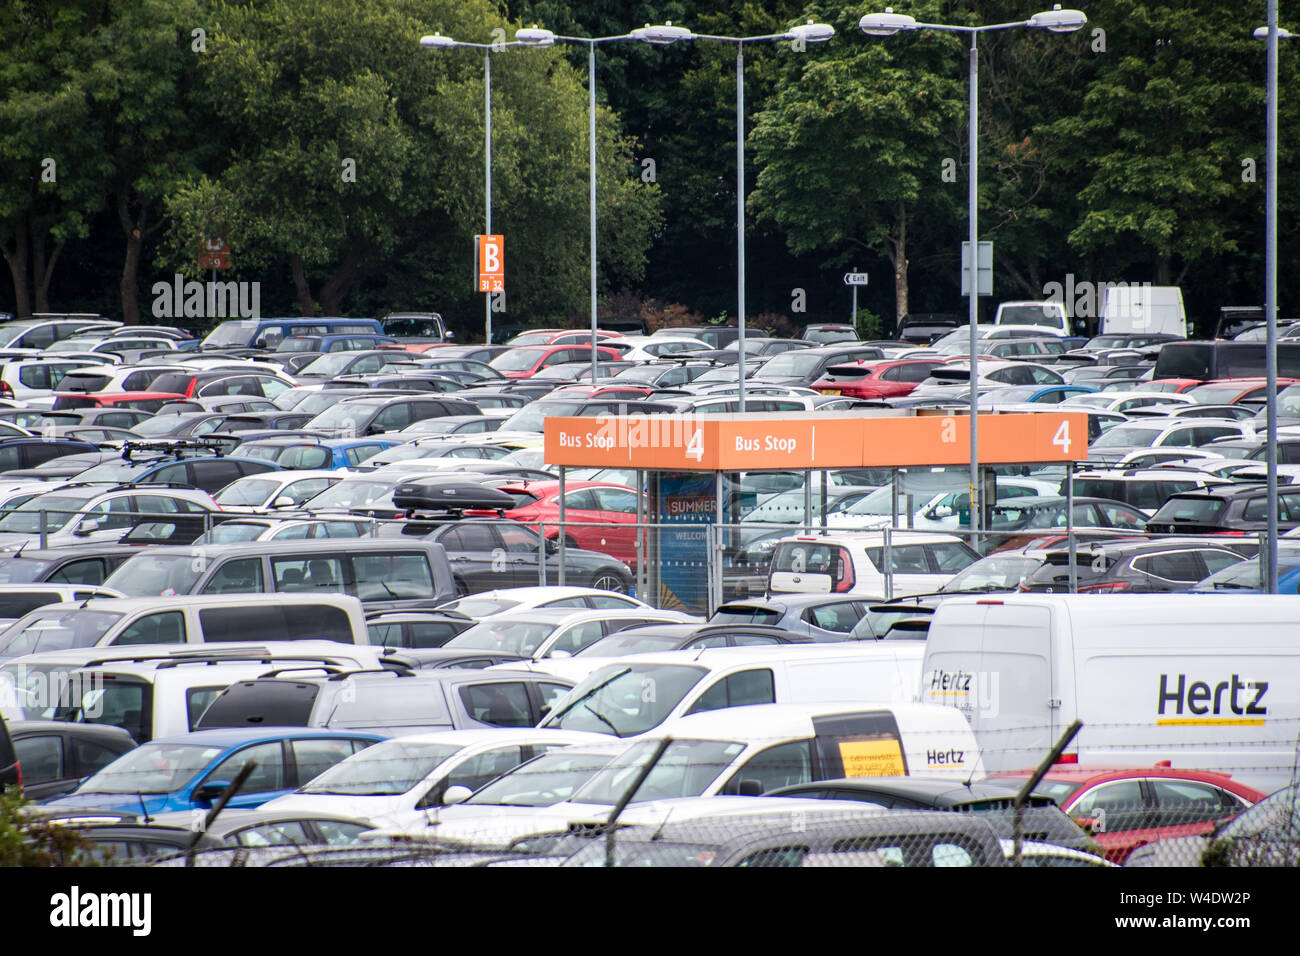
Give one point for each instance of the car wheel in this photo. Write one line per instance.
(611, 581)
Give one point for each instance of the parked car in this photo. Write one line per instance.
(855, 562)
(56, 756)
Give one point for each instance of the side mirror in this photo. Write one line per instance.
(87, 527)
(750, 788)
(284, 501)
(210, 790)
(455, 795)
(557, 654)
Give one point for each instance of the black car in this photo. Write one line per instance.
(488, 554)
(71, 564)
(18, 453)
(805, 366)
(1044, 821)
(1226, 508)
(417, 628)
(55, 755)
(1131, 567)
(357, 417)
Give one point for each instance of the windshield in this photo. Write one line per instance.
(686, 769)
(233, 532)
(150, 575)
(1193, 510)
(56, 630)
(1244, 576)
(1122, 436)
(299, 343)
(617, 645)
(997, 572)
(797, 363)
(349, 494)
(542, 782)
(329, 364)
(19, 570)
(614, 700)
(517, 360)
(152, 768)
(512, 637)
(530, 417)
(386, 769)
(1276, 817)
(347, 415)
(249, 491)
(230, 333)
(59, 511)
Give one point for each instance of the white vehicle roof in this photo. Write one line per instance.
(762, 722)
(534, 597)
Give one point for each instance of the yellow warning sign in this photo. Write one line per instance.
(872, 758)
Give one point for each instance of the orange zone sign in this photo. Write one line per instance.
(490, 263)
(755, 443)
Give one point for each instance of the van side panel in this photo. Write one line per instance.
(993, 662)
(892, 678)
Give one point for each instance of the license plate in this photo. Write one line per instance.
(831, 391)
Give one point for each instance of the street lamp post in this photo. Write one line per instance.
(535, 36)
(437, 41)
(665, 34)
(887, 24)
(1271, 34)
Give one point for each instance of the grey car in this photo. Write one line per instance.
(825, 617)
(397, 701)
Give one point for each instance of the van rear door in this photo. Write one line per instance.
(994, 662)
(859, 745)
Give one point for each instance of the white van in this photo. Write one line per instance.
(1205, 681)
(735, 753)
(1142, 308)
(634, 695)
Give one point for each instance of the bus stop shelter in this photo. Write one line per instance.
(688, 468)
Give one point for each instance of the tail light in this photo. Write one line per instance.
(1069, 758)
(6, 390)
(1110, 587)
(844, 572)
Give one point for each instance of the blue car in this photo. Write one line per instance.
(1246, 577)
(297, 451)
(189, 772)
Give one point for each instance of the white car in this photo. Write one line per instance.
(36, 378)
(259, 494)
(489, 603)
(929, 511)
(647, 348)
(540, 633)
(854, 563)
(405, 776)
(1124, 401)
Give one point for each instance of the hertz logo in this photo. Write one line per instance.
(1231, 701)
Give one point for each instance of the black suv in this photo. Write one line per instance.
(1228, 508)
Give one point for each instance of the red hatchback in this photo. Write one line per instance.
(526, 360)
(1128, 807)
(874, 379)
(604, 515)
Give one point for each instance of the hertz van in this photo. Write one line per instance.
(1204, 681)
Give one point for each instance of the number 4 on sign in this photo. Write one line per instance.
(695, 447)
(1062, 438)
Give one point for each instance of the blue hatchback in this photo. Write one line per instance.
(190, 772)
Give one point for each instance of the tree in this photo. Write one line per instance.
(856, 144)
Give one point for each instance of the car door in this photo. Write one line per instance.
(46, 768)
(1181, 808)
(312, 756)
(270, 778)
(1120, 816)
(521, 546)
(108, 520)
(477, 556)
(393, 417)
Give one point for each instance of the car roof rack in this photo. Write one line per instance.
(260, 656)
(170, 446)
(400, 670)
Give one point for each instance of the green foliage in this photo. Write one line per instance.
(869, 325)
(27, 841)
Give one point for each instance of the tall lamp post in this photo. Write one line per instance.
(1271, 34)
(887, 24)
(665, 34)
(535, 36)
(439, 42)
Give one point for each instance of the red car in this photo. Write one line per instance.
(604, 515)
(143, 401)
(1127, 807)
(875, 379)
(1232, 391)
(1171, 384)
(526, 360)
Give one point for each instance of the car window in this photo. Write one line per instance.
(738, 690)
(283, 833)
(950, 556)
(243, 576)
(41, 757)
(501, 704)
(90, 757)
(1216, 561)
(314, 756)
(1179, 566)
(197, 700)
(584, 500)
(781, 766)
(605, 602)
(298, 574)
(165, 628)
(89, 571)
(471, 536)
(267, 775)
(112, 514)
(834, 617)
(477, 771)
(1180, 802)
(380, 576)
(518, 540)
(1113, 806)
(616, 499)
(577, 637)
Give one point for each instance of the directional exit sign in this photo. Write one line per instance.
(490, 263)
(855, 278)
